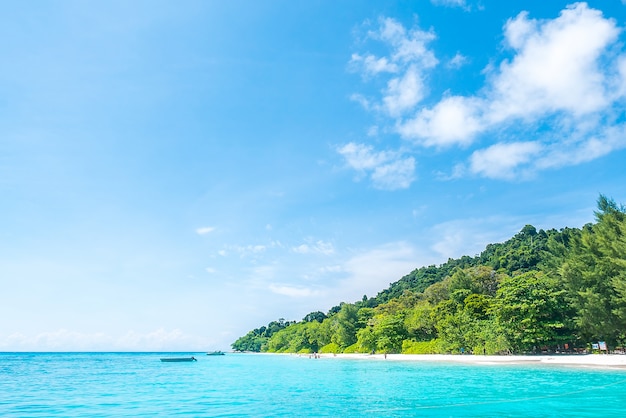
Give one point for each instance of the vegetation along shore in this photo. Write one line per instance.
(541, 292)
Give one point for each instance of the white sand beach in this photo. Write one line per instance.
(579, 360)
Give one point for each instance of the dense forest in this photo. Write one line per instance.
(540, 290)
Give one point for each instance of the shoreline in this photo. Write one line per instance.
(612, 361)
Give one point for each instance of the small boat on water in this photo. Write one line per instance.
(178, 359)
(215, 353)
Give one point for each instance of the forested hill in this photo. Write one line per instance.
(539, 290)
(519, 254)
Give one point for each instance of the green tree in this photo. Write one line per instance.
(344, 325)
(314, 316)
(419, 322)
(384, 332)
(594, 271)
(532, 311)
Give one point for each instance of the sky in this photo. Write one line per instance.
(175, 174)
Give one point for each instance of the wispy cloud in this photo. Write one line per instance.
(372, 270)
(371, 65)
(457, 61)
(409, 57)
(317, 247)
(205, 230)
(64, 339)
(246, 250)
(451, 3)
(293, 291)
(459, 237)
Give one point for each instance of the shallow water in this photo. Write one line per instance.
(139, 384)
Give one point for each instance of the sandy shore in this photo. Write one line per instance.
(580, 360)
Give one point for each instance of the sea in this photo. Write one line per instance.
(262, 385)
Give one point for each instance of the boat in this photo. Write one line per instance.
(178, 359)
(215, 353)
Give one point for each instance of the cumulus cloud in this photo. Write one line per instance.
(388, 170)
(363, 157)
(403, 93)
(556, 65)
(500, 160)
(453, 121)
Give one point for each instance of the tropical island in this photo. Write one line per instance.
(554, 291)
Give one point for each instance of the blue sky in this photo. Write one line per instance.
(176, 174)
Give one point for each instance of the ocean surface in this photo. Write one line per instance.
(249, 385)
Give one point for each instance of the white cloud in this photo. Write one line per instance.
(363, 157)
(318, 247)
(388, 170)
(249, 250)
(520, 159)
(457, 61)
(293, 291)
(403, 93)
(64, 340)
(501, 160)
(408, 59)
(398, 174)
(205, 230)
(583, 149)
(362, 100)
(372, 131)
(453, 121)
(371, 65)
(450, 3)
(410, 46)
(371, 271)
(556, 66)
(331, 269)
(456, 238)
(210, 270)
(517, 31)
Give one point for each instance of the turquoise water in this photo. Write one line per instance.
(241, 385)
